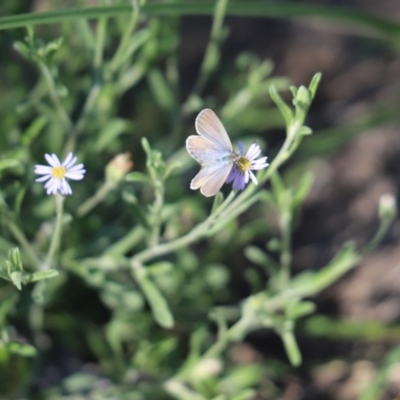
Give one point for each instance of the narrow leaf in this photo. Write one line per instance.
(283, 107)
(38, 276)
(157, 302)
(314, 84)
(25, 350)
(291, 347)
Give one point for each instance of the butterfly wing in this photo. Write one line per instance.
(215, 165)
(210, 127)
(205, 152)
(215, 181)
(212, 149)
(210, 179)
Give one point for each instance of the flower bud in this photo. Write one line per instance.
(118, 167)
(206, 368)
(387, 207)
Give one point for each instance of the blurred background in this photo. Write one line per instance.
(354, 154)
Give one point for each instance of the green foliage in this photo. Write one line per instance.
(132, 268)
(14, 272)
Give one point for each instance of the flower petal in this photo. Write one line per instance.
(69, 157)
(259, 166)
(65, 189)
(43, 178)
(77, 168)
(51, 182)
(71, 163)
(246, 177)
(42, 169)
(253, 178)
(75, 176)
(261, 160)
(239, 183)
(232, 174)
(51, 186)
(51, 161)
(56, 160)
(254, 151)
(241, 148)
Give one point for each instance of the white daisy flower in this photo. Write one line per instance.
(56, 173)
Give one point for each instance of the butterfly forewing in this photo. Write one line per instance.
(209, 126)
(207, 153)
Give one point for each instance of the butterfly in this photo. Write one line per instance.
(213, 150)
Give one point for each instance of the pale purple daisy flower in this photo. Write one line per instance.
(56, 173)
(243, 164)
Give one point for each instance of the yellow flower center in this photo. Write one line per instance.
(58, 172)
(243, 164)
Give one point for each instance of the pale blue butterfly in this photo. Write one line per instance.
(212, 149)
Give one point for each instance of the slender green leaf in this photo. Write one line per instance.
(302, 190)
(157, 302)
(309, 284)
(283, 107)
(40, 275)
(305, 130)
(10, 163)
(160, 88)
(114, 128)
(25, 350)
(255, 8)
(299, 309)
(314, 84)
(291, 347)
(7, 303)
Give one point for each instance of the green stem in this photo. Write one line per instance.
(126, 243)
(211, 57)
(165, 248)
(21, 239)
(100, 40)
(55, 240)
(286, 254)
(36, 317)
(89, 103)
(62, 113)
(234, 334)
(379, 235)
(115, 62)
(154, 236)
(97, 198)
(242, 207)
(94, 90)
(200, 231)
